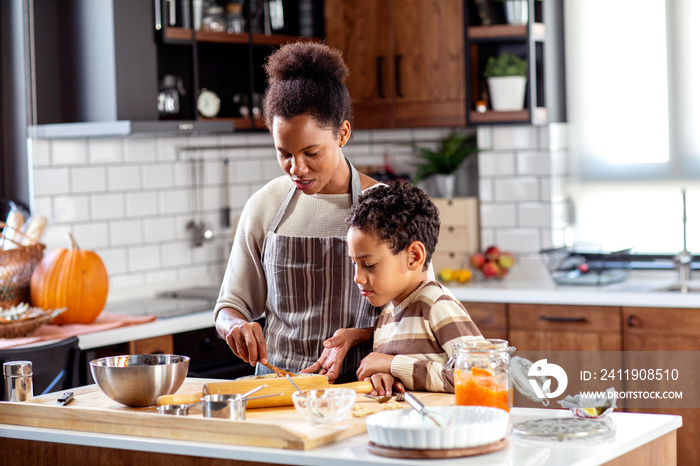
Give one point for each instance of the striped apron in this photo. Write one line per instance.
(311, 294)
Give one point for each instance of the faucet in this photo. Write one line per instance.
(683, 259)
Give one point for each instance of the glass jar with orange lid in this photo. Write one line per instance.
(481, 373)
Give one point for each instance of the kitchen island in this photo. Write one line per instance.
(640, 439)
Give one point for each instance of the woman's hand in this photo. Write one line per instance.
(335, 349)
(374, 363)
(244, 338)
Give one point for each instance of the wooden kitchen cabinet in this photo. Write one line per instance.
(490, 318)
(581, 336)
(406, 60)
(661, 329)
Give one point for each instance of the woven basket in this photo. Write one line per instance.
(22, 327)
(16, 267)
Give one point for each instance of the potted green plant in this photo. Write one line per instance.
(506, 75)
(439, 165)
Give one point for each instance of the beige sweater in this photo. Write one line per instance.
(244, 286)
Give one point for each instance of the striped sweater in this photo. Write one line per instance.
(421, 332)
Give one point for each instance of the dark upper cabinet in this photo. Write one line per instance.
(94, 60)
(108, 61)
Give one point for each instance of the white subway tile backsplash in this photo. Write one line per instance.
(68, 209)
(104, 150)
(360, 136)
(533, 163)
(393, 135)
(176, 254)
(260, 139)
(43, 206)
(271, 169)
(514, 137)
(69, 151)
(114, 260)
(239, 196)
(48, 181)
(142, 258)
(498, 215)
(534, 215)
(123, 178)
(125, 233)
(486, 189)
(484, 137)
(139, 150)
(159, 229)
(39, 151)
(91, 235)
(516, 189)
(55, 236)
(496, 164)
(168, 276)
(88, 179)
(141, 204)
(167, 148)
(521, 240)
(248, 170)
(130, 198)
(157, 176)
(107, 206)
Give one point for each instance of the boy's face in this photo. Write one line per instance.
(381, 275)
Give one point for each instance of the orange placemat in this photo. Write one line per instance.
(105, 321)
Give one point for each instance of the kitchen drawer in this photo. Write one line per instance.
(458, 211)
(650, 321)
(458, 238)
(604, 319)
(490, 318)
(450, 260)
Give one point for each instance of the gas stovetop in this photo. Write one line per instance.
(169, 304)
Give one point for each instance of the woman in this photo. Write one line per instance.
(289, 261)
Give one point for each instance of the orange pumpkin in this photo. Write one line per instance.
(72, 278)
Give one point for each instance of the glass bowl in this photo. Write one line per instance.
(325, 406)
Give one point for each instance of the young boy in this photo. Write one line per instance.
(392, 233)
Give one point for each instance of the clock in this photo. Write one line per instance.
(208, 103)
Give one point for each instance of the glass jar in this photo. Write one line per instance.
(481, 373)
(235, 23)
(213, 19)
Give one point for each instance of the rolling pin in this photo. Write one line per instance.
(278, 385)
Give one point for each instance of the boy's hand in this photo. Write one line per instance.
(374, 363)
(335, 349)
(382, 383)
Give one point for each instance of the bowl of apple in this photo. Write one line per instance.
(492, 263)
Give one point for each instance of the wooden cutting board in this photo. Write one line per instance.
(281, 427)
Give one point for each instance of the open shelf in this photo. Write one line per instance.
(185, 34)
(505, 31)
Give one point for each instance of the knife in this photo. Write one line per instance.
(66, 398)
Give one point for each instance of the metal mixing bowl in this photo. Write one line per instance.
(139, 379)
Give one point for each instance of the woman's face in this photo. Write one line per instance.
(311, 155)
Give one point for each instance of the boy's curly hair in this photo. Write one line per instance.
(307, 77)
(398, 214)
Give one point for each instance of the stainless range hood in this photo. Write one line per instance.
(129, 128)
